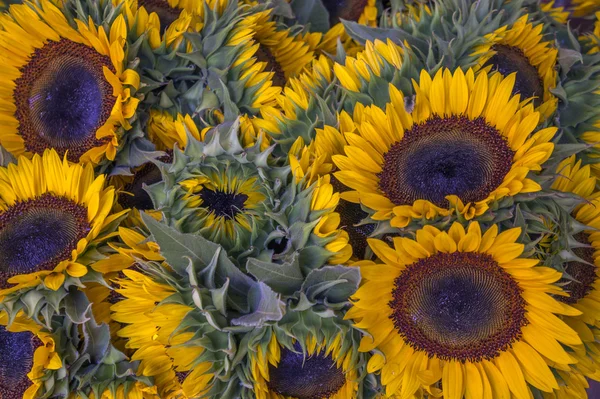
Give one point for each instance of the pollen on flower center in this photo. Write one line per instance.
(459, 305)
(445, 156)
(509, 59)
(62, 98)
(16, 359)
(312, 377)
(39, 233)
(222, 203)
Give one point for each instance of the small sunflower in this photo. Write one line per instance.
(466, 144)
(224, 202)
(305, 102)
(284, 54)
(461, 308)
(218, 188)
(51, 213)
(315, 161)
(315, 368)
(64, 88)
(520, 49)
(26, 351)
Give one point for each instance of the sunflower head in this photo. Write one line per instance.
(81, 101)
(289, 362)
(462, 303)
(27, 351)
(52, 215)
(456, 152)
(516, 50)
(219, 188)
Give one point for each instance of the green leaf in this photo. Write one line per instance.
(209, 259)
(334, 284)
(77, 306)
(96, 340)
(6, 157)
(265, 305)
(284, 278)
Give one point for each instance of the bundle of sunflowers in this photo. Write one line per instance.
(299, 199)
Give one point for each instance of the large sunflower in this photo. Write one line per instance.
(466, 144)
(462, 309)
(51, 213)
(25, 352)
(63, 88)
(316, 368)
(521, 49)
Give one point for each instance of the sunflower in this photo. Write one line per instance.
(26, 351)
(311, 368)
(158, 20)
(51, 213)
(462, 308)
(581, 280)
(281, 52)
(520, 49)
(218, 188)
(350, 218)
(305, 102)
(466, 144)
(152, 331)
(64, 88)
(223, 202)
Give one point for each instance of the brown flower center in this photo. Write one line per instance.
(38, 234)
(445, 156)
(16, 360)
(62, 98)
(311, 377)
(460, 305)
(583, 274)
(263, 54)
(528, 83)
